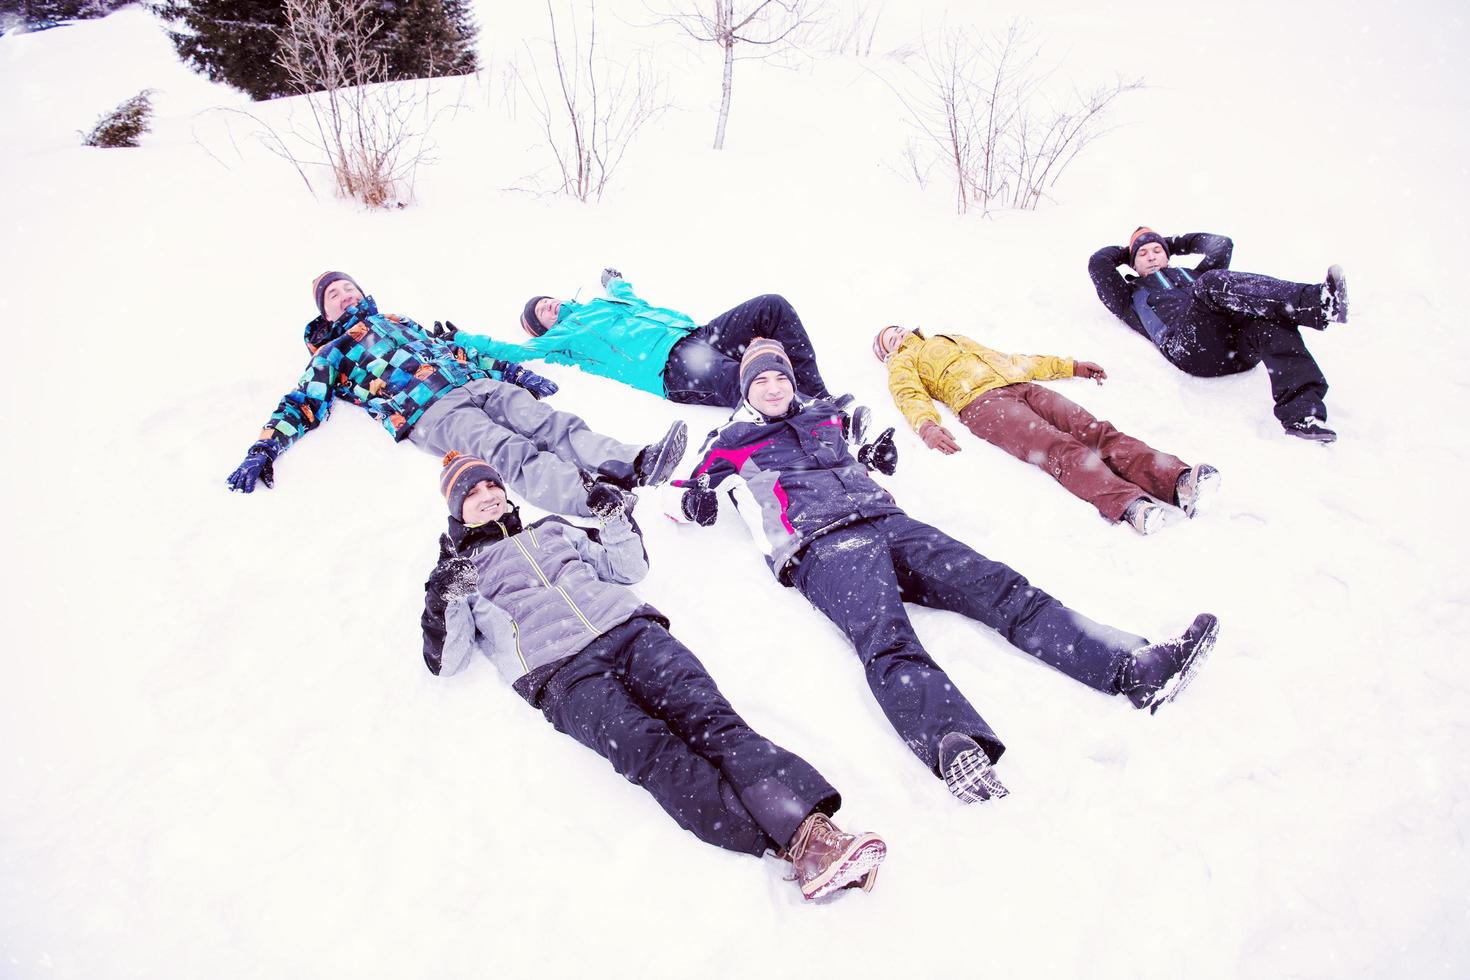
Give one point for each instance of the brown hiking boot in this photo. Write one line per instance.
(825, 859)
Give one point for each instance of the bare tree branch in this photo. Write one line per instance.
(977, 101)
(768, 24)
(599, 109)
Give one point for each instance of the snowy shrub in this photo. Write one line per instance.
(588, 107)
(371, 136)
(986, 117)
(123, 125)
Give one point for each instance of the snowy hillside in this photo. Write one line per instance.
(223, 757)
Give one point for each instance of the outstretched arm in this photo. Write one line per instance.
(296, 414)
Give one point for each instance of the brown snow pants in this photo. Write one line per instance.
(1088, 456)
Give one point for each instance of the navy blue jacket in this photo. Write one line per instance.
(792, 479)
(1162, 301)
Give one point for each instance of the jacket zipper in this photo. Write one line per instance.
(515, 630)
(547, 582)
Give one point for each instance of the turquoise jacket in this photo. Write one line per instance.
(620, 337)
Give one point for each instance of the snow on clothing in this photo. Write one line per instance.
(858, 558)
(1038, 426)
(957, 370)
(992, 394)
(1211, 321)
(541, 452)
(553, 616)
(659, 350)
(434, 393)
(794, 478)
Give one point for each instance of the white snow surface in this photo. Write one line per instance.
(224, 758)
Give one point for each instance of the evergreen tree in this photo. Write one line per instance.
(234, 41)
(123, 125)
(231, 41)
(429, 38)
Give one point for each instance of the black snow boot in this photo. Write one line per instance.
(1156, 674)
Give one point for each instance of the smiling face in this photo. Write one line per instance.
(484, 503)
(771, 393)
(1150, 258)
(340, 297)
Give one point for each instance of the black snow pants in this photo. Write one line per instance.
(1238, 320)
(861, 575)
(704, 367)
(640, 699)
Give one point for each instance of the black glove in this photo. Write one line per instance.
(609, 274)
(532, 382)
(258, 465)
(880, 454)
(604, 500)
(699, 503)
(444, 331)
(453, 579)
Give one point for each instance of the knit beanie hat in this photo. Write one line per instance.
(880, 351)
(320, 283)
(764, 354)
(1143, 235)
(459, 476)
(529, 322)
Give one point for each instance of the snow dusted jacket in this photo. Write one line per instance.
(957, 370)
(621, 337)
(544, 594)
(384, 363)
(792, 479)
(1158, 303)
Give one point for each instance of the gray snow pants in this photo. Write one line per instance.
(540, 451)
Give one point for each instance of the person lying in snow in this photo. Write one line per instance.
(1211, 321)
(546, 603)
(839, 538)
(432, 393)
(991, 392)
(654, 349)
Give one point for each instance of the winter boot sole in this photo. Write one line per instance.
(1174, 686)
(1337, 285)
(669, 449)
(860, 861)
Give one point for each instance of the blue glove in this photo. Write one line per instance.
(610, 274)
(880, 454)
(534, 383)
(256, 466)
(444, 331)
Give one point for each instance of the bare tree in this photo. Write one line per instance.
(589, 107)
(768, 25)
(372, 136)
(979, 101)
(854, 30)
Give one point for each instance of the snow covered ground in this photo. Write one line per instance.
(222, 756)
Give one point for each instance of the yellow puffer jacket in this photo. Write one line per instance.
(956, 370)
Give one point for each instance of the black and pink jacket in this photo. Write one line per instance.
(791, 479)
